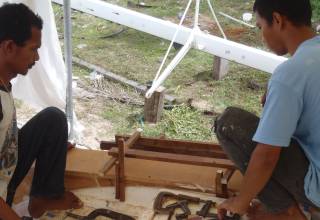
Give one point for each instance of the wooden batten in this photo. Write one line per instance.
(139, 172)
(175, 158)
(192, 148)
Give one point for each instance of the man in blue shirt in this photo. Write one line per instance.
(279, 154)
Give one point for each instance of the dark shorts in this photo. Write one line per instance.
(42, 139)
(234, 129)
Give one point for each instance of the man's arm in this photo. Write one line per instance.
(262, 163)
(6, 213)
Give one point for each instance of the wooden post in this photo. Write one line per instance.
(220, 68)
(222, 179)
(123, 146)
(221, 189)
(117, 180)
(122, 187)
(153, 106)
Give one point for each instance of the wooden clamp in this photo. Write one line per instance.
(222, 179)
(123, 146)
(166, 150)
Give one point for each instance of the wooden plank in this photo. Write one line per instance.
(221, 189)
(86, 161)
(153, 106)
(132, 140)
(168, 143)
(121, 155)
(222, 180)
(187, 151)
(75, 182)
(172, 149)
(178, 147)
(72, 182)
(107, 166)
(227, 176)
(174, 158)
(117, 180)
(114, 77)
(107, 145)
(144, 172)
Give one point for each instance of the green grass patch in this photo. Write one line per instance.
(181, 122)
(124, 118)
(80, 71)
(316, 10)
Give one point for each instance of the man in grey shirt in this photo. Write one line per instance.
(43, 139)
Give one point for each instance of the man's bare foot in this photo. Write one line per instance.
(39, 205)
(293, 213)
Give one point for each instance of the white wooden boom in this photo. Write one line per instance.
(220, 47)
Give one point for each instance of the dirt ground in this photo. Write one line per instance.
(87, 106)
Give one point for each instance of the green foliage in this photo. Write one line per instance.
(183, 123)
(80, 71)
(316, 10)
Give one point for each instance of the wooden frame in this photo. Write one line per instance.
(165, 150)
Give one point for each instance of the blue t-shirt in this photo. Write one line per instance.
(292, 110)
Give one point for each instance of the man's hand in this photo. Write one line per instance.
(234, 205)
(262, 163)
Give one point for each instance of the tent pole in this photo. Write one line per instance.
(68, 63)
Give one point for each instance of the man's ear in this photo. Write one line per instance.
(278, 20)
(8, 47)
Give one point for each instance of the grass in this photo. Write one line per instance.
(137, 56)
(181, 122)
(316, 10)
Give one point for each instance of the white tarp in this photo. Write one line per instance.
(45, 85)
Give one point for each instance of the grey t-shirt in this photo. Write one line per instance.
(8, 138)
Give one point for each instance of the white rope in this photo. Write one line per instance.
(173, 39)
(216, 19)
(176, 60)
(237, 20)
(159, 79)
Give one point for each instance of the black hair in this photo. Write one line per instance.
(16, 22)
(299, 12)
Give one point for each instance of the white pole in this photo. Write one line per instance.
(68, 63)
